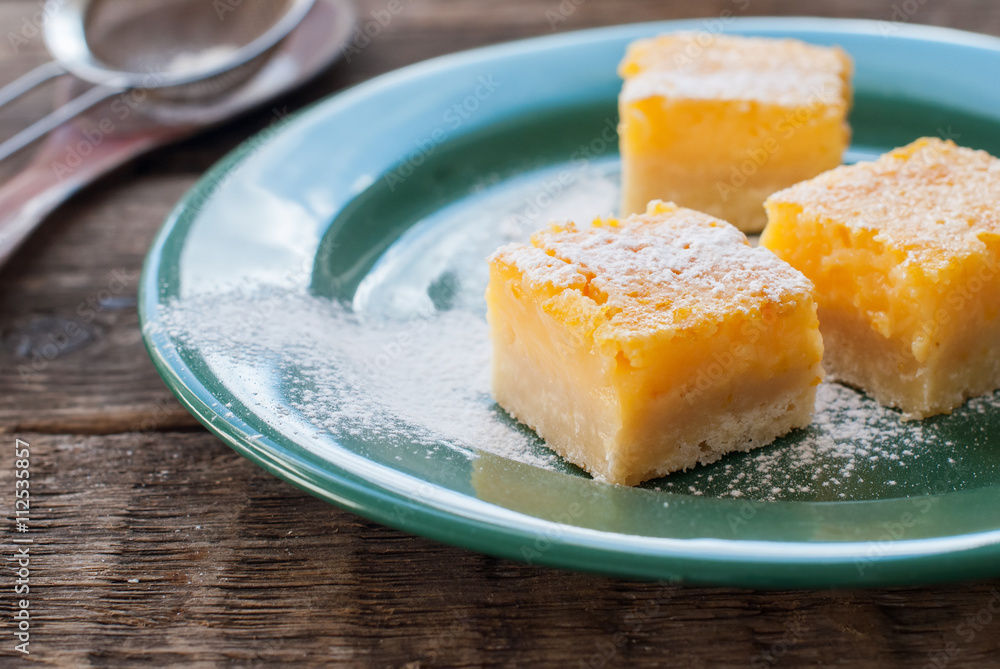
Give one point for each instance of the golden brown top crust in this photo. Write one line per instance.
(930, 198)
(668, 270)
(720, 67)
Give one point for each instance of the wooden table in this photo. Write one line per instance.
(157, 545)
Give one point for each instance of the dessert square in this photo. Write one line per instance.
(905, 255)
(642, 346)
(718, 123)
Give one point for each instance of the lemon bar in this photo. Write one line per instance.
(905, 255)
(646, 345)
(718, 123)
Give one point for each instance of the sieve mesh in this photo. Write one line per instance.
(147, 36)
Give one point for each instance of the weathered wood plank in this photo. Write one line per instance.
(164, 548)
(71, 356)
(169, 548)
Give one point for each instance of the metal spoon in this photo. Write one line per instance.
(126, 120)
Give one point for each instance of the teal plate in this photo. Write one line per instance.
(316, 302)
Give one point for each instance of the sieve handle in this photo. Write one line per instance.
(33, 79)
(73, 108)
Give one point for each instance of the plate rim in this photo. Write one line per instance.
(577, 548)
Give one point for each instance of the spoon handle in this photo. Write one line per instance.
(58, 171)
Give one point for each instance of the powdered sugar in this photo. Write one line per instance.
(847, 430)
(424, 380)
(853, 446)
(787, 86)
(408, 385)
(670, 268)
(930, 199)
(702, 66)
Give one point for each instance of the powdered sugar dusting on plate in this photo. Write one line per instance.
(425, 380)
(854, 446)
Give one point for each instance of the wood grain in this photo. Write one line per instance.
(169, 548)
(157, 546)
(70, 327)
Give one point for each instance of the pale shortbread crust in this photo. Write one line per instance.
(858, 356)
